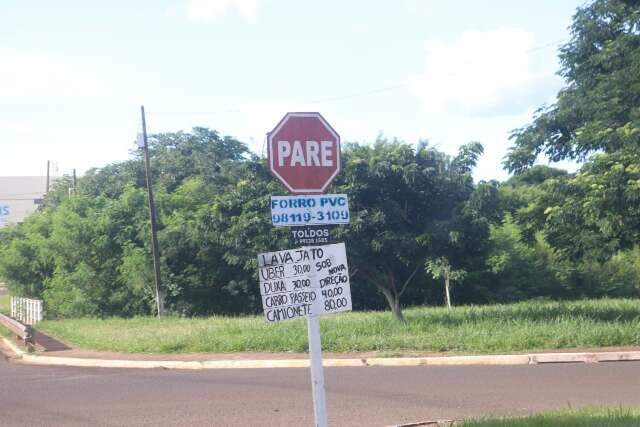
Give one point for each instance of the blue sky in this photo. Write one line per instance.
(74, 73)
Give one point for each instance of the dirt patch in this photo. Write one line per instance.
(49, 344)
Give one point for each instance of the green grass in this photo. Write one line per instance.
(527, 326)
(5, 304)
(5, 308)
(589, 417)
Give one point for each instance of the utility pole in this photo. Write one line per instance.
(75, 182)
(48, 175)
(152, 211)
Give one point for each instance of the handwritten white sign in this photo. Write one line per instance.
(309, 281)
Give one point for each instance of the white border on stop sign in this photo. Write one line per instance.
(271, 154)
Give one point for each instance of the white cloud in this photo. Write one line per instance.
(252, 119)
(26, 148)
(258, 118)
(34, 75)
(204, 10)
(475, 73)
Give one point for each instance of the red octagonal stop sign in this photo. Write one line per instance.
(304, 152)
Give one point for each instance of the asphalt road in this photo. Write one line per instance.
(58, 396)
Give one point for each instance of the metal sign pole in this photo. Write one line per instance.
(304, 155)
(317, 372)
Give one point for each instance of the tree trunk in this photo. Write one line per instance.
(447, 296)
(394, 304)
(391, 292)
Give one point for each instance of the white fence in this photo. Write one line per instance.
(26, 310)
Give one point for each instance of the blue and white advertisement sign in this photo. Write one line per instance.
(320, 209)
(4, 215)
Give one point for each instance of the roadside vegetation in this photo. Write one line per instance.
(420, 226)
(588, 417)
(5, 303)
(5, 308)
(526, 326)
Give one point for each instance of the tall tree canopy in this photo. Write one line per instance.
(595, 120)
(407, 204)
(88, 253)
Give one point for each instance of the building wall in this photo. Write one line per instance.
(19, 197)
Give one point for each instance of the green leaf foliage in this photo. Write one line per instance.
(595, 119)
(87, 253)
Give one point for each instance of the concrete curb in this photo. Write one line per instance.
(18, 353)
(500, 359)
(438, 423)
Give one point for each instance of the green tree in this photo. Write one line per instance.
(178, 156)
(26, 259)
(211, 239)
(523, 269)
(596, 120)
(89, 253)
(406, 204)
(92, 240)
(440, 268)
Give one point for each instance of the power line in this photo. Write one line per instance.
(347, 96)
(342, 97)
(360, 94)
(193, 112)
(545, 46)
(335, 98)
